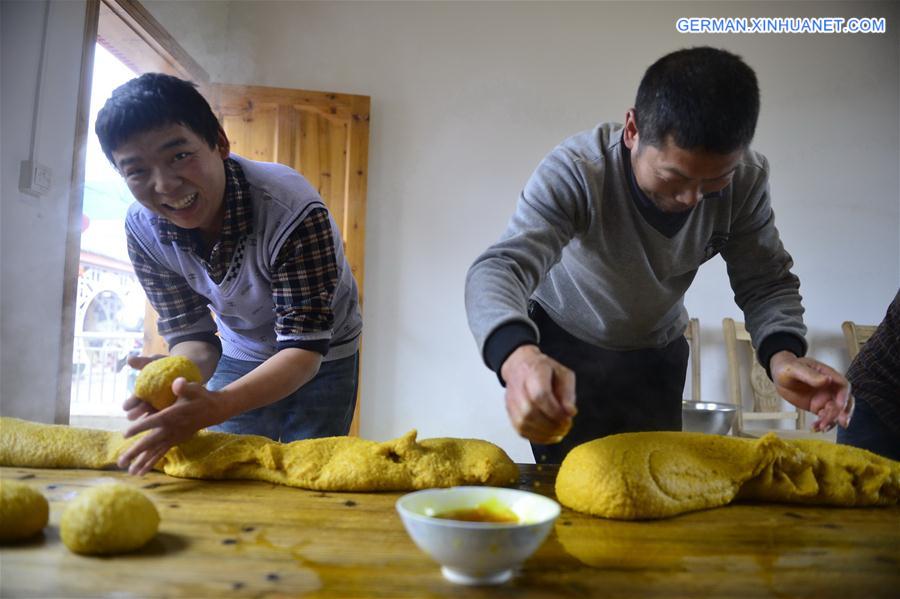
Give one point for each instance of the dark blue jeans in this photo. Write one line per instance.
(867, 431)
(323, 407)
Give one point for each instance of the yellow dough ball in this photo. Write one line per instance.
(110, 518)
(23, 511)
(154, 382)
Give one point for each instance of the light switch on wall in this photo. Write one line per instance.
(34, 178)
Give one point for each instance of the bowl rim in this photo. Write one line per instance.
(449, 523)
(700, 406)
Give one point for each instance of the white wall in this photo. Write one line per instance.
(32, 244)
(466, 99)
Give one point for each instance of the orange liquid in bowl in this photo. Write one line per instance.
(481, 513)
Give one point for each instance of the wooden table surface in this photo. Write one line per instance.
(252, 539)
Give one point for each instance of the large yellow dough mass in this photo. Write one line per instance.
(108, 519)
(331, 464)
(23, 511)
(661, 474)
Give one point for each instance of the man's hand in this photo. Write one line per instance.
(813, 386)
(540, 395)
(195, 408)
(133, 406)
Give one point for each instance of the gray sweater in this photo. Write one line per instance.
(578, 245)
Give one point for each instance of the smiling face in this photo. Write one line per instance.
(173, 172)
(673, 178)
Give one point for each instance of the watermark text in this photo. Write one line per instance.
(781, 25)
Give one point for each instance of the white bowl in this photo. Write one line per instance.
(477, 552)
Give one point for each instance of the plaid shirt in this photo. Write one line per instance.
(304, 274)
(875, 372)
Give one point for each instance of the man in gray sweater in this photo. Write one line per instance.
(583, 295)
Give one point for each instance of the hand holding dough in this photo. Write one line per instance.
(154, 382)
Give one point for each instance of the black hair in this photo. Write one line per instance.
(704, 98)
(149, 102)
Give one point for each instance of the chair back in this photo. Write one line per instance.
(856, 336)
(692, 334)
(765, 403)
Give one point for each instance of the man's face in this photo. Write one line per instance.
(676, 179)
(173, 172)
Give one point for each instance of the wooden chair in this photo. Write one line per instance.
(766, 404)
(856, 336)
(692, 334)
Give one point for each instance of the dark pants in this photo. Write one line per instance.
(615, 391)
(323, 407)
(867, 431)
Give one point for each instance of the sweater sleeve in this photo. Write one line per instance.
(505, 340)
(759, 267)
(551, 210)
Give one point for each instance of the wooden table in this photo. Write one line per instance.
(253, 539)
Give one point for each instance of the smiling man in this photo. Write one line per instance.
(583, 296)
(251, 243)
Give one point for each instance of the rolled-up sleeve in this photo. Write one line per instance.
(304, 279)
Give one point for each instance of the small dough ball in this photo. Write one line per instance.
(23, 511)
(154, 381)
(110, 518)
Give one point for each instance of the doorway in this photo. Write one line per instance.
(109, 306)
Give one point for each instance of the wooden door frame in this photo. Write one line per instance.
(133, 29)
(76, 200)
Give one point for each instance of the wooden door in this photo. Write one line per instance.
(324, 136)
